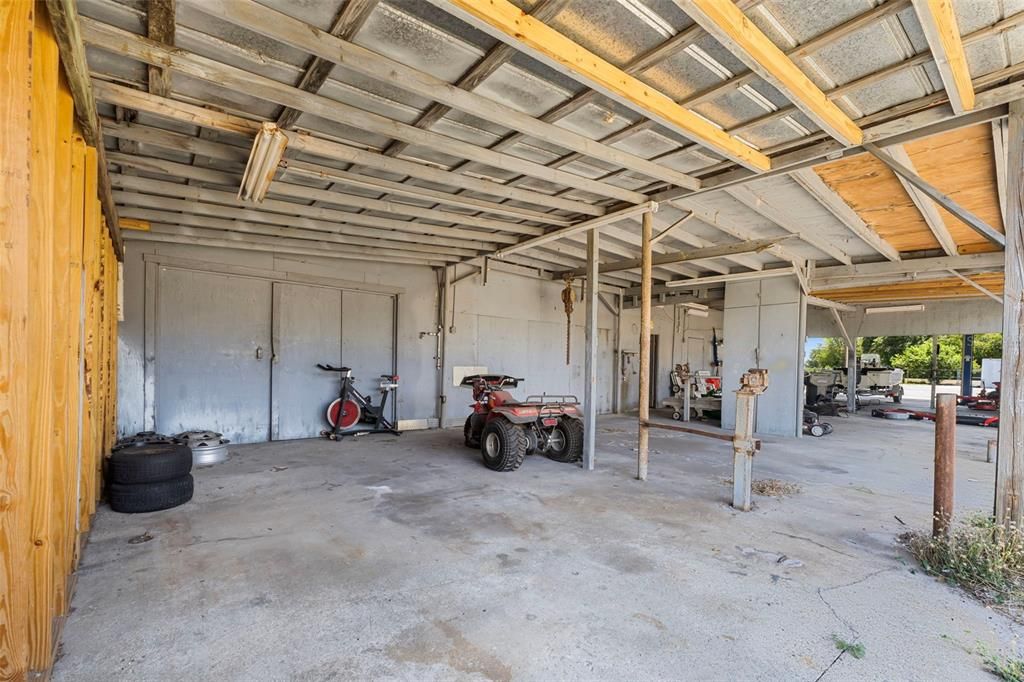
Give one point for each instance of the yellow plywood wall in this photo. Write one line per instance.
(57, 340)
(959, 163)
(926, 290)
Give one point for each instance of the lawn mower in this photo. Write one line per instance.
(506, 430)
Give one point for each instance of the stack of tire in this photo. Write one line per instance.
(148, 472)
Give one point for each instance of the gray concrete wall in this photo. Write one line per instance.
(764, 325)
(515, 324)
(974, 316)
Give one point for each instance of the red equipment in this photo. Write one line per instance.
(507, 430)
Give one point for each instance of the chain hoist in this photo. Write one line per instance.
(568, 299)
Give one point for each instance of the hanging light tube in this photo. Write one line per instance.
(267, 149)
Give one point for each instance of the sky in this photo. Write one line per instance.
(810, 345)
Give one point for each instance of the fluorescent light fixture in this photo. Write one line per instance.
(895, 309)
(267, 150)
(694, 306)
(697, 312)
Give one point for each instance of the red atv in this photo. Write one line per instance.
(506, 430)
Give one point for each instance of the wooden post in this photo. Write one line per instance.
(642, 450)
(1010, 455)
(590, 377)
(945, 464)
(16, 23)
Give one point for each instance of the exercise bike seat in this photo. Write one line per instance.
(332, 368)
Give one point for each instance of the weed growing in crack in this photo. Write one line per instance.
(855, 649)
(981, 557)
(1006, 668)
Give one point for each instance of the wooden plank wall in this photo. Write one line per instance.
(58, 290)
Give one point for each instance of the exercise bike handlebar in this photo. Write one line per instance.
(332, 368)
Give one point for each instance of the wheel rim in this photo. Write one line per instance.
(492, 445)
(556, 441)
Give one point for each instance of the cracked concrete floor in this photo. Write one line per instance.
(404, 558)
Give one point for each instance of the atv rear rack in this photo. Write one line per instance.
(553, 399)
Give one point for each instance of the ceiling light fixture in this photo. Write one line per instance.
(267, 150)
(895, 309)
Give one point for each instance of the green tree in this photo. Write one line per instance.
(987, 346)
(889, 346)
(916, 360)
(829, 355)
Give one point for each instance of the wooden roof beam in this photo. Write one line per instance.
(938, 19)
(218, 120)
(508, 23)
(837, 206)
(907, 173)
(67, 28)
(118, 41)
(727, 23)
(273, 24)
(348, 22)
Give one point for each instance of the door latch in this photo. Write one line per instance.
(259, 352)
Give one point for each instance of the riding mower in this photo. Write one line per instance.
(506, 430)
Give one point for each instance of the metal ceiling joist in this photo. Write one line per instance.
(825, 303)
(210, 118)
(700, 282)
(837, 206)
(928, 209)
(723, 20)
(972, 221)
(911, 266)
(938, 20)
(987, 292)
(508, 23)
(118, 41)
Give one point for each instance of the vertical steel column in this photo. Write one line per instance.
(945, 464)
(1010, 454)
(645, 348)
(590, 377)
(967, 366)
(852, 377)
(935, 370)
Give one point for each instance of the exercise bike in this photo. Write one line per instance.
(352, 413)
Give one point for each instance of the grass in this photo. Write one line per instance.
(980, 557)
(855, 649)
(1003, 667)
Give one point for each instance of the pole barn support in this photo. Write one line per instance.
(851, 376)
(642, 449)
(945, 464)
(590, 369)
(1010, 455)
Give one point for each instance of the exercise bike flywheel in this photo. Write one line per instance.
(343, 414)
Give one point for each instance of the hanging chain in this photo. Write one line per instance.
(568, 299)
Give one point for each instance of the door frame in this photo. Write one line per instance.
(153, 263)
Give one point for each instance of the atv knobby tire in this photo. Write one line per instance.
(572, 439)
(150, 463)
(503, 445)
(147, 497)
(467, 433)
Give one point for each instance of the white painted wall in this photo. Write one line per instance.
(514, 324)
(764, 325)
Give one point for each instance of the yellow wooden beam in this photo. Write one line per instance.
(729, 26)
(511, 25)
(940, 29)
(134, 224)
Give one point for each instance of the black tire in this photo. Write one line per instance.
(572, 435)
(898, 397)
(149, 464)
(817, 430)
(148, 497)
(507, 442)
(467, 434)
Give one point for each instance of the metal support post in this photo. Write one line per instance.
(852, 377)
(967, 366)
(935, 370)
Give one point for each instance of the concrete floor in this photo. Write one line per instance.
(404, 558)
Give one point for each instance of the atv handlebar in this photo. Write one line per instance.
(493, 380)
